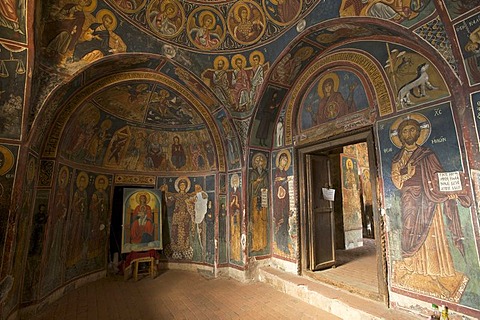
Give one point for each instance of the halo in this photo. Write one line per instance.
(233, 178)
(238, 56)
(184, 178)
(304, 53)
(224, 59)
(254, 53)
(289, 159)
(425, 129)
(106, 124)
(349, 163)
(202, 16)
(79, 182)
(7, 160)
(62, 183)
(91, 7)
(144, 193)
(101, 185)
(237, 9)
(335, 80)
(259, 154)
(104, 12)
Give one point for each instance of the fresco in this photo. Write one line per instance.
(264, 121)
(330, 97)
(74, 35)
(12, 83)
(475, 100)
(413, 78)
(189, 201)
(166, 18)
(8, 160)
(259, 193)
(23, 226)
(246, 22)
(236, 218)
(235, 84)
(231, 141)
(130, 6)
(87, 223)
(93, 140)
(284, 224)
(457, 8)
(468, 34)
(292, 63)
(352, 211)
(142, 221)
(222, 230)
(53, 268)
(35, 250)
(282, 12)
(13, 20)
(396, 11)
(206, 28)
(428, 195)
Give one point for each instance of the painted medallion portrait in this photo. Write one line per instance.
(206, 28)
(166, 17)
(246, 22)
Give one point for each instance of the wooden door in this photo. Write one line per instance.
(320, 213)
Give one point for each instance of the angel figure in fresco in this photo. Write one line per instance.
(259, 187)
(182, 227)
(426, 257)
(246, 24)
(99, 39)
(167, 18)
(207, 34)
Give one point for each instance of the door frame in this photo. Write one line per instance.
(304, 229)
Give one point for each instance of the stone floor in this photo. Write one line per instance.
(175, 294)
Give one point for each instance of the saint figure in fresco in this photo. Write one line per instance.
(167, 19)
(266, 115)
(426, 257)
(78, 219)
(99, 208)
(258, 190)
(241, 84)
(235, 220)
(142, 223)
(9, 16)
(332, 105)
(178, 153)
(256, 60)
(182, 227)
(281, 203)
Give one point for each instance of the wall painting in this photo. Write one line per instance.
(428, 195)
(468, 34)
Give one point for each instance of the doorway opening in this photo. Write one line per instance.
(341, 243)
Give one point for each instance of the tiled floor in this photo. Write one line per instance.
(178, 294)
